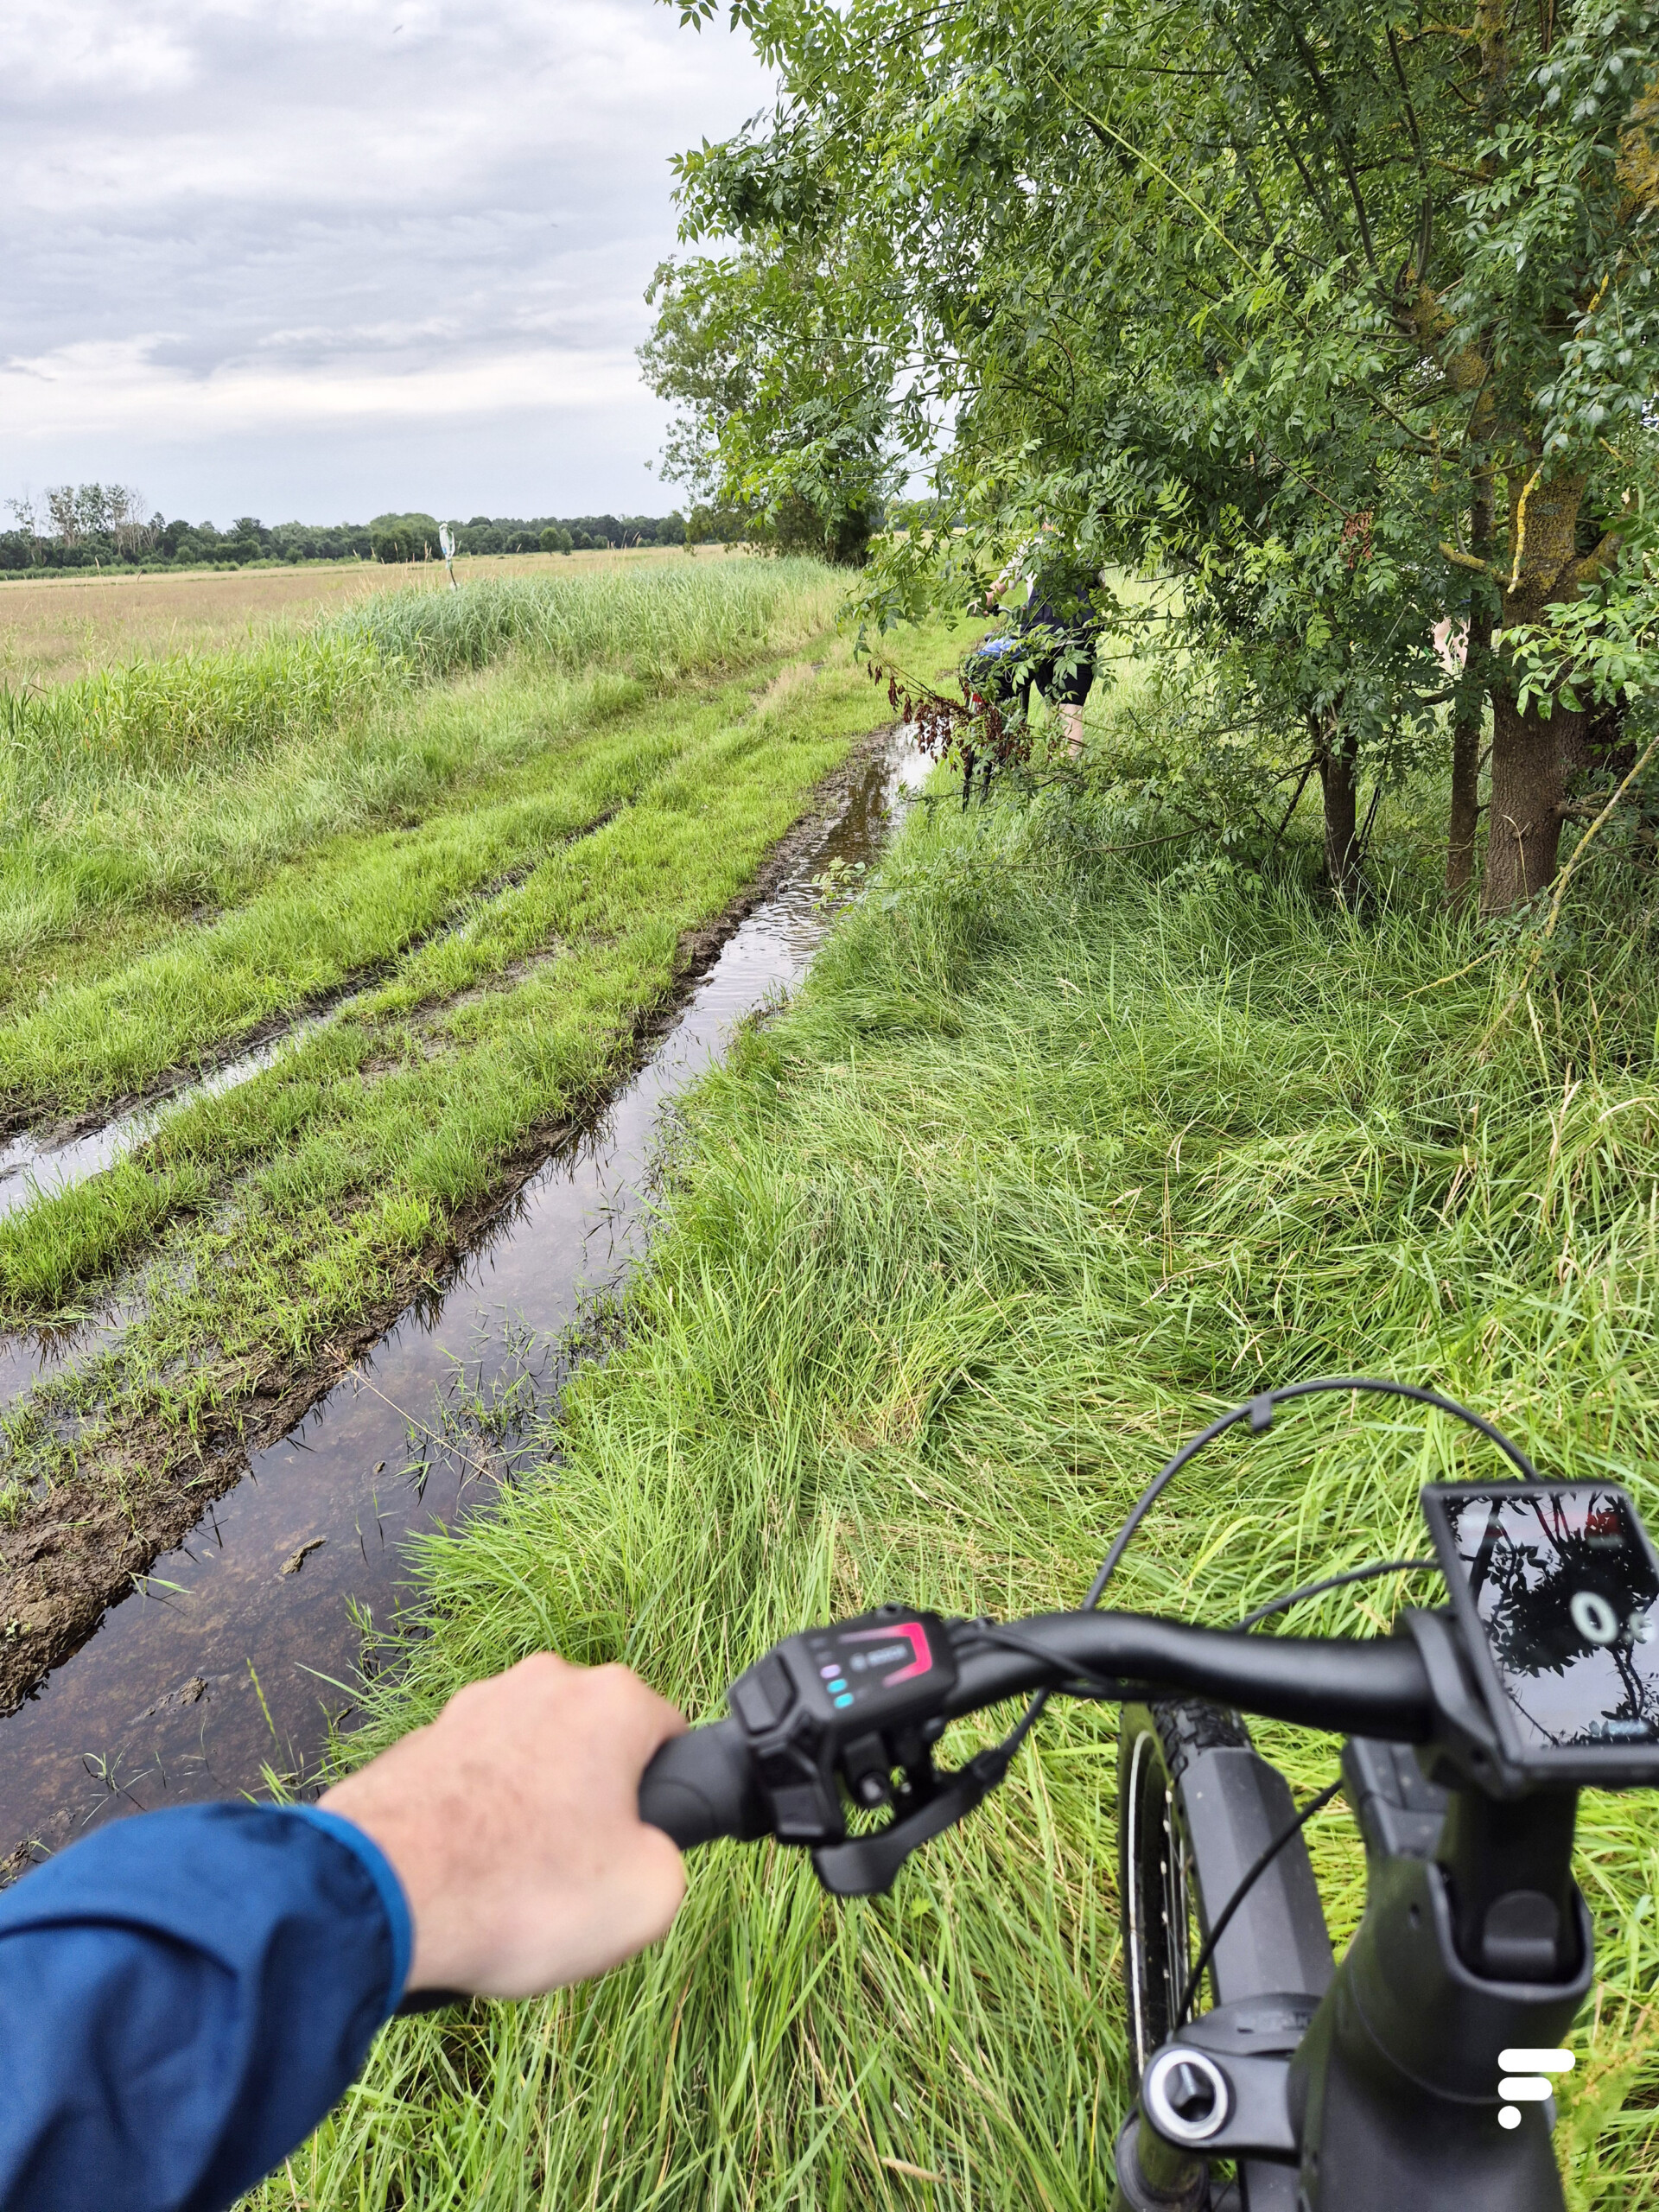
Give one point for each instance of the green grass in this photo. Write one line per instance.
(163, 786)
(269, 1216)
(1056, 1157)
(319, 923)
(659, 624)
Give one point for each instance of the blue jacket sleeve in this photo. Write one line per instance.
(183, 1995)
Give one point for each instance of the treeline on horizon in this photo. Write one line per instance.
(159, 544)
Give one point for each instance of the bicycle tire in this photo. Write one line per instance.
(1161, 1902)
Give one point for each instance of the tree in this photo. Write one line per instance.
(1344, 319)
(64, 507)
(1555, 312)
(113, 513)
(26, 513)
(404, 537)
(787, 414)
(129, 525)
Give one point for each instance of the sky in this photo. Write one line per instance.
(325, 259)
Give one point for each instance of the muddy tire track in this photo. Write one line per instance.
(21, 1115)
(83, 1545)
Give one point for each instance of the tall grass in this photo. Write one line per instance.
(1056, 1155)
(199, 713)
(165, 720)
(655, 624)
(185, 781)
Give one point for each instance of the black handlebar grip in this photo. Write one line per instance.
(702, 1786)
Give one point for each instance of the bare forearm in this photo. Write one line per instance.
(513, 1824)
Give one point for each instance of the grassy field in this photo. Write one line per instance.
(1062, 1150)
(476, 831)
(59, 626)
(147, 806)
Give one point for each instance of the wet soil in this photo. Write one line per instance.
(252, 1557)
(39, 1158)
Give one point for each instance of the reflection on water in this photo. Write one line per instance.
(242, 1646)
(28, 1172)
(42, 1353)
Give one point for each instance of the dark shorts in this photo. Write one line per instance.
(1063, 676)
(1070, 690)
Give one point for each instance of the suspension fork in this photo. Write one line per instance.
(1270, 1969)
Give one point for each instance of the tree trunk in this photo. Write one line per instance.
(1573, 745)
(1465, 812)
(1340, 783)
(1523, 829)
(1470, 717)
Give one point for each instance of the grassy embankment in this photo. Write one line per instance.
(601, 783)
(1061, 1151)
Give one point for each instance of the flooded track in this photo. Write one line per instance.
(28, 1172)
(241, 1648)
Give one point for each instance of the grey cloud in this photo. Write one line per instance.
(210, 190)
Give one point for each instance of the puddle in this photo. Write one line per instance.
(221, 1666)
(42, 1353)
(27, 1172)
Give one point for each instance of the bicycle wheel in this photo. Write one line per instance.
(1160, 1901)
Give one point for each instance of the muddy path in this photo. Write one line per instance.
(564, 1220)
(43, 1150)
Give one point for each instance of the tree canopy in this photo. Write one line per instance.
(782, 420)
(1343, 319)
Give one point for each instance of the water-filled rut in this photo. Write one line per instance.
(239, 1651)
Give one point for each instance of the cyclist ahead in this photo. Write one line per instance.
(1054, 594)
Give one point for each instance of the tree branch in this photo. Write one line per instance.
(1468, 561)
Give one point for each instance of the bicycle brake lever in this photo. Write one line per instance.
(865, 1865)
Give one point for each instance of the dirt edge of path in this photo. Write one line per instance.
(88, 1543)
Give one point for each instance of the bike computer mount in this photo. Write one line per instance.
(1555, 1595)
(857, 1707)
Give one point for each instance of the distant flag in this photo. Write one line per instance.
(447, 545)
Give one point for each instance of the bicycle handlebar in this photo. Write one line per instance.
(708, 1783)
(1375, 1688)
(702, 1786)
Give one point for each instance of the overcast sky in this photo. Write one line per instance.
(319, 260)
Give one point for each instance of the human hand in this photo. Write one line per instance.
(512, 1821)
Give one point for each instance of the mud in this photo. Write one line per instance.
(321, 1468)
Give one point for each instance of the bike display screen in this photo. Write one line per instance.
(864, 1663)
(1557, 1584)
